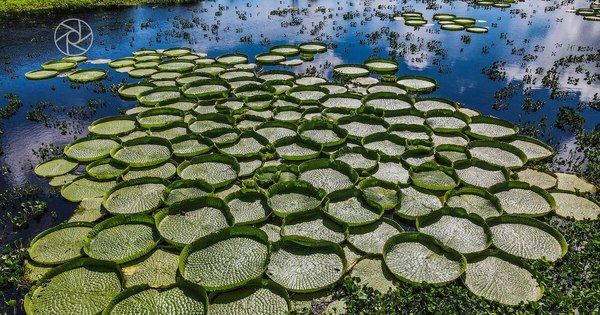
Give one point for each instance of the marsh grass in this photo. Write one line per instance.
(9, 8)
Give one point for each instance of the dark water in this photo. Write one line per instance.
(528, 38)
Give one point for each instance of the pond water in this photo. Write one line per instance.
(524, 42)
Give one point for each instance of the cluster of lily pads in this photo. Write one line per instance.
(413, 18)
(495, 3)
(149, 63)
(251, 185)
(451, 22)
(591, 14)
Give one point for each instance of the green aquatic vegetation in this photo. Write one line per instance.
(12, 106)
(300, 199)
(29, 210)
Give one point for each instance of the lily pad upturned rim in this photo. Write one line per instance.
(248, 193)
(256, 284)
(285, 141)
(418, 77)
(301, 216)
(208, 94)
(123, 220)
(72, 77)
(536, 142)
(447, 113)
(293, 186)
(346, 95)
(134, 182)
(89, 167)
(383, 136)
(508, 258)
(223, 234)
(155, 90)
(374, 182)
(311, 50)
(277, 72)
(191, 205)
(269, 90)
(362, 118)
(129, 62)
(88, 138)
(288, 54)
(495, 121)
(186, 183)
(319, 125)
(140, 141)
(134, 96)
(303, 88)
(367, 154)
(54, 229)
(169, 52)
(160, 111)
(451, 148)
(220, 158)
(49, 74)
(502, 146)
(425, 240)
(481, 192)
(246, 134)
(70, 265)
(38, 173)
(336, 70)
(430, 166)
(348, 193)
(339, 166)
(522, 185)
(382, 60)
(232, 55)
(192, 136)
(434, 216)
(198, 293)
(48, 65)
(109, 119)
(520, 219)
(354, 229)
(475, 162)
(269, 62)
(308, 245)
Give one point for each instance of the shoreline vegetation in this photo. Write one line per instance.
(14, 9)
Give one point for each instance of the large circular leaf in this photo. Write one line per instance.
(455, 228)
(294, 197)
(306, 267)
(243, 251)
(140, 195)
(184, 299)
(218, 170)
(80, 287)
(122, 238)
(501, 278)
(188, 220)
(527, 237)
(420, 259)
(91, 148)
(259, 297)
(59, 244)
(142, 152)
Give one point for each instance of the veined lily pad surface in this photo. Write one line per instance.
(252, 183)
